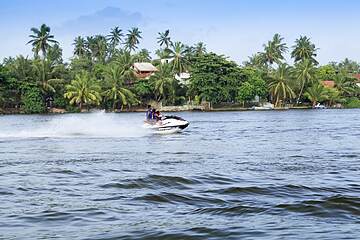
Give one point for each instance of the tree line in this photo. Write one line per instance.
(100, 75)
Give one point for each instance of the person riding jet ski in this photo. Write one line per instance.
(150, 116)
(158, 116)
(148, 113)
(156, 121)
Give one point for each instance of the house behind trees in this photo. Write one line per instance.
(144, 70)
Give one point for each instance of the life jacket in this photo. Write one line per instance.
(149, 114)
(153, 116)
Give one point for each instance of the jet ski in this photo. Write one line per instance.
(167, 125)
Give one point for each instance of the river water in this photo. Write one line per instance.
(230, 175)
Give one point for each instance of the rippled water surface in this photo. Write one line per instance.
(230, 175)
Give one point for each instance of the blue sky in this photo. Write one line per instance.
(236, 28)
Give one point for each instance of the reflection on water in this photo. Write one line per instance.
(233, 175)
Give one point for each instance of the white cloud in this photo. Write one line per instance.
(101, 21)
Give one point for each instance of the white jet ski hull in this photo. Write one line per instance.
(168, 125)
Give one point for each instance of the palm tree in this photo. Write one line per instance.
(22, 68)
(304, 49)
(333, 95)
(200, 49)
(346, 84)
(45, 74)
(143, 56)
(274, 50)
(54, 54)
(163, 53)
(256, 60)
(349, 66)
(163, 82)
(92, 47)
(80, 46)
(132, 39)
(41, 39)
(178, 53)
(115, 87)
(83, 90)
(279, 84)
(316, 93)
(101, 46)
(164, 39)
(115, 37)
(126, 61)
(189, 51)
(97, 46)
(305, 73)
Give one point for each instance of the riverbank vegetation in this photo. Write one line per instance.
(100, 74)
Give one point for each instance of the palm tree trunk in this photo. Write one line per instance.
(173, 96)
(80, 105)
(114, 105)
(43, 53)
(301, 91)
(277, 101)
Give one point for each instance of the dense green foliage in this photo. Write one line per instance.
(100, 74)
(280, 88)
(33, 101)
(214, 78)
(316, 93)
(253, 85)
(83, 90)
(352, 103)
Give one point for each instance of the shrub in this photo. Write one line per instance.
(60, 102)
(33, 102)
(352, 103)
(72, 109)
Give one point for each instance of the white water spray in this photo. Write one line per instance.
(99, 124)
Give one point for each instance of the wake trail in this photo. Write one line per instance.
(99, 124)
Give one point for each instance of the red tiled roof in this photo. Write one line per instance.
(328, 83)
(357, 75)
